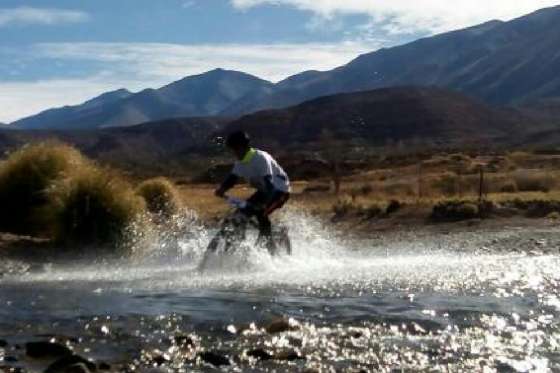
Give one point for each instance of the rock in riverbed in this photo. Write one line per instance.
(214, 359)
(42, 350)
(71, 364)
(282, 325)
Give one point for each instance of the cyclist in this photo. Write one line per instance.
(263, 173)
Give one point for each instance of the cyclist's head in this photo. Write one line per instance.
(239, 142)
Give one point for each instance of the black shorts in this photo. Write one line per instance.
(262, 204)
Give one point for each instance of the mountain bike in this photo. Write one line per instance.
(232, 234)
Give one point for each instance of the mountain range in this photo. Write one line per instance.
(500, 63)
(423, 117)
(195, 96)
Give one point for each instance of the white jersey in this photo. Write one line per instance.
(257, 165)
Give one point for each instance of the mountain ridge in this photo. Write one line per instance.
(199, 95)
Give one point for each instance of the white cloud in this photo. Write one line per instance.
(42, 16)
(159, 62)
(141, 65)
(406, 16)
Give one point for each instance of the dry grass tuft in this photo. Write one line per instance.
(24, 179)
(161, 196)
(92, 207)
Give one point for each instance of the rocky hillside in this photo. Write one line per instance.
(195, 96)
(498, 62)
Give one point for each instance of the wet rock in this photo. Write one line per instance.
(288, 355)
(70, 362)
(260, 354)
(282, 325)
(104, 366)
(76, 368)
(184, 340)
(215, 359)
(160, 358)
(40, 350)
(414, 329)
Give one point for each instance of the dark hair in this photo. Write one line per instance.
(238, 139)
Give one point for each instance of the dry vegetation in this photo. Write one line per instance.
(50, 190)
(442, 188)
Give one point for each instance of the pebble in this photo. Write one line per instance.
(260, 354)
(41, 350)
(282, 325)
(67, 362)
(183, 340)
(214, 359)
(288, 355)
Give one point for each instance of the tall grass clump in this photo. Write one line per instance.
(161, 196)
(24, 179)
(534, 181)
(93, 207)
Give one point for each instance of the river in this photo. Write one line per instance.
(468, 301)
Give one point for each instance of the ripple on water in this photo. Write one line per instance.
(408, 303)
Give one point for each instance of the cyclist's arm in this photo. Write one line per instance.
(228, 183)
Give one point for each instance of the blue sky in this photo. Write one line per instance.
(60, 52)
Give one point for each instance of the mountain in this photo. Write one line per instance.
(70, 116)
(498, 62)
(428, 115)
(194, 96)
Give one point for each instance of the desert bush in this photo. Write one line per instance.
(161, 196)
(455, 211)
(533, 181)
(535, 208)
(393, 207)
(24, 179)
(509, 186)
(370, 211)
(343, 206)
(400, 189)
(447, 185)
(92, 207)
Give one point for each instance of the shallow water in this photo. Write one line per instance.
(457, 302)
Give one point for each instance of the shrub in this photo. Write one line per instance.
(509, 187)
(371, 211)
(393, 207)
(24, 178)
(455, 211)
(343, 207)
(447, 185)
(531, 181)
(93, 207)
(160, 195)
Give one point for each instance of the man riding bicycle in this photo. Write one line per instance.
(264, 174)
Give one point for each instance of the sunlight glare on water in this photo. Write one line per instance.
(467, 300)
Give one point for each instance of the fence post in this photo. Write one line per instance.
(419, 181)
(481, 185)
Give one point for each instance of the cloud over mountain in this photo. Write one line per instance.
(41, 16)
(405, 16)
